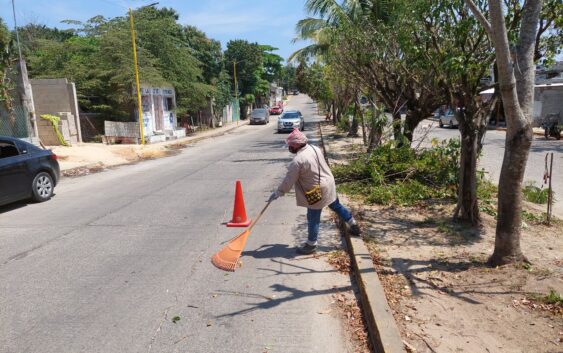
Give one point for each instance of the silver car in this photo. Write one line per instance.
(291, 119)
(447, 118)
(259, 116)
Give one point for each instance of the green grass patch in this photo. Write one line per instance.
(552, 298)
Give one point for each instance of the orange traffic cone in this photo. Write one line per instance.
(239, 212)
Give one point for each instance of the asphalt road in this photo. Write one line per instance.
(493, 153)
(109, 262)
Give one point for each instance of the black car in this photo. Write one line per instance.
(26, 171)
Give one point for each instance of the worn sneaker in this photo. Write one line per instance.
(355, 230)
(306, 249)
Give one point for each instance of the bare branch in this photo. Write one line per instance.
(479, 15)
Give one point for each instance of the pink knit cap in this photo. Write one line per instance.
(296, 139)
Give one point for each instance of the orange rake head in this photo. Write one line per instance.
(227, 258)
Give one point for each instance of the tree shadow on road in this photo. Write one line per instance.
(267, 302)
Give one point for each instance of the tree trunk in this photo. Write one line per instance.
(397, 133)
(334, 121)
(364, 132)
(354, 125)
(517, 96)
(509, 223)
(411, 122)
(467, 209)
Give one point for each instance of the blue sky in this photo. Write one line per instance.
(264, 21)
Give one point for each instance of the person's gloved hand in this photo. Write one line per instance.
(274, 196)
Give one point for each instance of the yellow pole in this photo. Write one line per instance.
(139, 104)
(236, 90)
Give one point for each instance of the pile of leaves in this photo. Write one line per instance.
(552, 303)
(401, 175)
(354, 321)
(340, 260)
(81, 171)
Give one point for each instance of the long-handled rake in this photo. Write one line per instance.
(227, 258)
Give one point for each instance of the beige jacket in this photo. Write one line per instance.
(303, 173)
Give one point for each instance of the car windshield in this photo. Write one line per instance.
(290, 116)
(258, 112)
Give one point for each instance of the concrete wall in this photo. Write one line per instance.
(548, 100)
(47, 132)
(56, 97)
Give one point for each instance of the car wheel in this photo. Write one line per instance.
(42, 187)
(440, 123)
(452, 126)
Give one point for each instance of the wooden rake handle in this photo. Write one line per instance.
(259, 215)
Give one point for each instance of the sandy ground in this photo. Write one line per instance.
(84, 157)
(443, 295)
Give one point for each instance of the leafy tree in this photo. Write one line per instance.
(248, 59)
(97, 56)
(207, 51)
(288, 77)
(272, 63)
(6, 73)
(161, 35)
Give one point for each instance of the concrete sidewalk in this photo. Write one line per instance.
(98, 155)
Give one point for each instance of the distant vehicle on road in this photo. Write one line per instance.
(26, 171)
(259, 116)
(295, 92)
(291, 119)
(276, 110)
(446, 117)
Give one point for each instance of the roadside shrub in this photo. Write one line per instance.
(343, 124)
(535, 194)
(402, 175)
(486, 193)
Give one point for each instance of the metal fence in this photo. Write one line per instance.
(15, 123)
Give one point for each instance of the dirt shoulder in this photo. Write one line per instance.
(86, 158)
(443, 295)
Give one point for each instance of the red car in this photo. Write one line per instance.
(276, 110)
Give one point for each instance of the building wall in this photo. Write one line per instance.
(56, 97)
(157, 116)
(548, 100)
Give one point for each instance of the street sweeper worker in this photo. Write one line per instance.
(314, 186)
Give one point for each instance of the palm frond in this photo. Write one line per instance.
(330, 10)
(308, 52)
(308, 28)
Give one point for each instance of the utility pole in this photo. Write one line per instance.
(236, 89)
(135, 64)
(16, 29)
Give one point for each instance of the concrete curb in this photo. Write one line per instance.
(382, 328)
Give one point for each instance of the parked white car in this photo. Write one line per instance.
(447, 118)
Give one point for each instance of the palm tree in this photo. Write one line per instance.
(332, 15)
